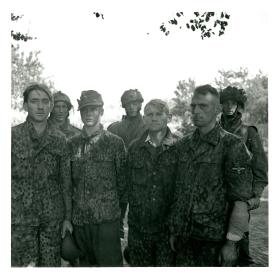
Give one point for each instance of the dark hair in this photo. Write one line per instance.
(206, 89)
(36, 86)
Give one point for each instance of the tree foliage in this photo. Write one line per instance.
(18, 35)
(208, 23)
(256, 88)
(26, 69)
(256, 107)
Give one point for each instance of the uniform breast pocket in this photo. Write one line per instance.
(139, 174)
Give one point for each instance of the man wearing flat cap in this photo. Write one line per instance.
(98, 160)
(129, 128)
(60, 113)
(41, 184)
(233, 101)
(151, 170)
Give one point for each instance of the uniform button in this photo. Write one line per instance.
(154, 173)
(154, 199)
(154, 186)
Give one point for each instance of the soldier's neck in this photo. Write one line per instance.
(39, 126)
(157, 137)
(91, 130)
(206, 129)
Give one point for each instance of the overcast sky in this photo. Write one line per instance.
(80, 51)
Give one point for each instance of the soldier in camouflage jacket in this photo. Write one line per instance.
(41, 185)
(129, 128)
(213, 174)
(60, 113)
(233, 101)
(151, 168)
(98, 161)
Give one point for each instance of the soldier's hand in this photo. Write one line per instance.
(172, 241)
(253, 203)
(228, 254)
(66, 226)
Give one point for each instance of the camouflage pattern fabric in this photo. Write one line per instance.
(213, 171)
(36, 245)
(98, 166)
(41, 181)
(149, 249)
(151, 184)
(67, 129)
(251, 138)
(128, 129)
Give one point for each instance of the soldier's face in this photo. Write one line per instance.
(38, 106)
(155, 119)
(91, 115)
(60, 111)
(204, 109)
(132, 108)
(229, 107)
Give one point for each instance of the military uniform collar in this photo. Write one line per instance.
(96, 133)
(168, 140)
(211, 137)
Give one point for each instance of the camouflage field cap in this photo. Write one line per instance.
(130, 96)
(234, 94)
(90, 98)
(60, 96)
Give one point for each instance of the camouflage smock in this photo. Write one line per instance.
(251, 138)
(128, 129)
(212, 172)
(67, 129)
(98, 177)
(151, 183)
(41, 182)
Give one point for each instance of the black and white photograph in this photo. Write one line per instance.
(138, 135)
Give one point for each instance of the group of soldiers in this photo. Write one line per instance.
(188, 199)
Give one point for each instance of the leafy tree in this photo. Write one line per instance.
(181, 105)
(18, 35)
(256, 88)
(207, 23)
(25, 70)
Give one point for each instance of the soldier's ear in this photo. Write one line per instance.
(51, 105)
(169, 118)
(101, 111)
(25, 107)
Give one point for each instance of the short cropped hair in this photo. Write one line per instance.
(158, 103)
(36, 86)
(206, 89)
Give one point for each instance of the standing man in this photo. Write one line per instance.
(130, 128)
(233, 101)
(152, 169)
(60, 113)
(98, 161)
(41, 184)
(213, 174)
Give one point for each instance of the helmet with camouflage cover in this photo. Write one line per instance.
(234, 94)
(60, 96)
(131, 95)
